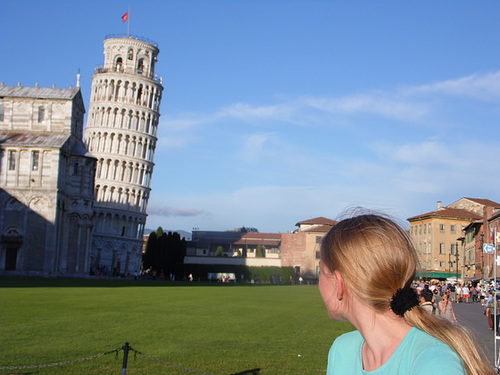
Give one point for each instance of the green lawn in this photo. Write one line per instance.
(212, 329)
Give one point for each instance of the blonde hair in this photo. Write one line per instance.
(375, 257)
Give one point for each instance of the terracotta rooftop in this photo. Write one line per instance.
(256, 238)
(485, 202)
(318, 220)
(318, 228)
(448, 213)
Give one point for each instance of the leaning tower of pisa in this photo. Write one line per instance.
(121, 133)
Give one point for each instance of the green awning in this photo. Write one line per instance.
(437, 275)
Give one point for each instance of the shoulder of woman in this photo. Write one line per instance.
(439, 356)
(348, 339)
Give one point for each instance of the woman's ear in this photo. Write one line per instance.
(340, 285)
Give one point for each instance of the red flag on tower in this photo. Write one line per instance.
(125, 17)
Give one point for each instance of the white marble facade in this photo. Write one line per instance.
(46, 182)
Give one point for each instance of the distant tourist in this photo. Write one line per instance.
(435, 301)
(366, 271)
(426, 301)
(446, 308)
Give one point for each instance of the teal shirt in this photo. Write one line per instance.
(418, 353)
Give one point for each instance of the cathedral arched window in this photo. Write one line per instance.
(41, 114)
(130, 54)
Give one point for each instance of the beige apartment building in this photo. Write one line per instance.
(437, 237)
(462, 226)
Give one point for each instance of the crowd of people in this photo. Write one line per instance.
(438, 298)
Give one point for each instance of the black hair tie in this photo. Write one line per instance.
(404, 300)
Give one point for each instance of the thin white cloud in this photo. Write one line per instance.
(381, 104)
(434, 166)
(256, 146)
(485, 87)
(409, 104)
(248, 113)
(173, 211)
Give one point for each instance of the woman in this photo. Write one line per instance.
(437, 299)
(367, 268)
(489, 316)
(446, 308)
(465, 293)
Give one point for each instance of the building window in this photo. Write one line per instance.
(430, 226)
(2, 111)
(441, 248)
(425, 229)
(130, 54)
(318, 255)
(420, 229)
(318, 239)
(453, 228)
(35, 159)
(41, 114)
(441, 264)
(12, 160)
(441, 228)
(75, 169)
(452, 249)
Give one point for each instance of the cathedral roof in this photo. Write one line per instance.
(37, 92)
(35, 139)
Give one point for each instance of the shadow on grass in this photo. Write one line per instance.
(255, 371)
(68, 282)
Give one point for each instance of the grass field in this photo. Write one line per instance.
(210, 329)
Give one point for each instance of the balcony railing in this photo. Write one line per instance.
(135, 37)
(155, 77)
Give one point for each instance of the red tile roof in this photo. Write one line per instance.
(318, 228)
(485, 202)
(318, 220)
(256, 238)
(453, 213)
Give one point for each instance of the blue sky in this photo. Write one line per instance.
(274, 111)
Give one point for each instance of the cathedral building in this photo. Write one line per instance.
(46, 181)
(121, 133)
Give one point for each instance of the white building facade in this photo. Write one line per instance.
(46, 182)
(121, 133)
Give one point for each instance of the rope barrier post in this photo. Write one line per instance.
(126, 348)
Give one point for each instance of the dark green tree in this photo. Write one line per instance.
(151, 252)
(165, 253)
(260, 252)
